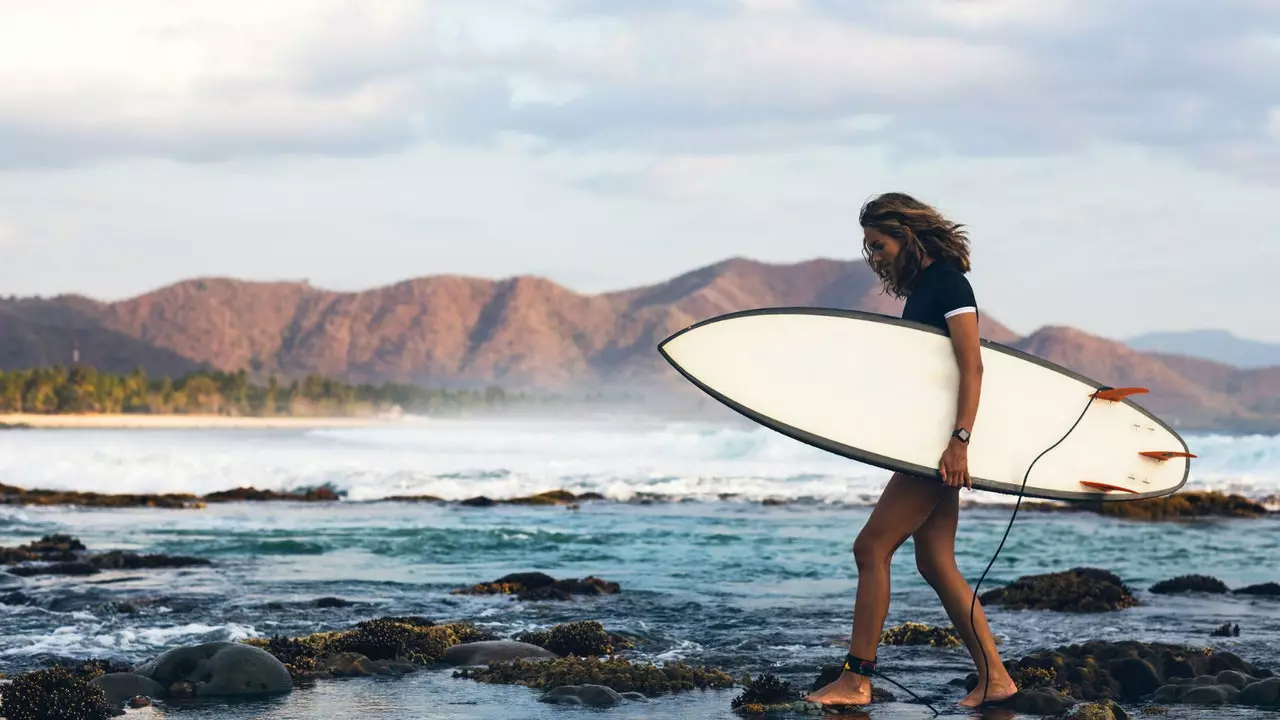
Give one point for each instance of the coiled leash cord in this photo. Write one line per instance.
(868, 667)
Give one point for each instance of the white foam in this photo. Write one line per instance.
(458, 459)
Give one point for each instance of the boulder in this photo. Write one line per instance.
(487, 651)
(220, 669)
(122, 687)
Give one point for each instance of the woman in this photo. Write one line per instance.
(920, 255)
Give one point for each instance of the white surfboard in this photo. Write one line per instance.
(883, 391)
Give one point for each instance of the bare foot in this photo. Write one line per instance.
(999, 689)
(848, 689)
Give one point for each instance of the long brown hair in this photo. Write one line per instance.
(920, 231)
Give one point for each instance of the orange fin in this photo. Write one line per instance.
(1105, 487)
(1163, 455)
(1115, 394)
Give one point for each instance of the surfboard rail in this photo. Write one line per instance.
(1095, 493)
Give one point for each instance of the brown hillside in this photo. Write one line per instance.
(26, 344)
(522, 331)
(530, 332)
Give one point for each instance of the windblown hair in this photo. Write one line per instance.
(921, 231)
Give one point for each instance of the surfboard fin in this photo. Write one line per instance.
(1106, 487)
(1115, 394)
(1162, 455)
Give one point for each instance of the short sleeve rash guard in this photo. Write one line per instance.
(941, 291)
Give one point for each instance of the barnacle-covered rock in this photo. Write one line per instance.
(53, 694)
(618, 674)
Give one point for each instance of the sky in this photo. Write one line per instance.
(1116, 162)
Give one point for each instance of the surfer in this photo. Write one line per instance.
(923, 257)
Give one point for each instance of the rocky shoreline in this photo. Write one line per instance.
(1180, 506)
(582, 662)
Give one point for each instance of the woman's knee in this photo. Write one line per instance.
(870, 550)
(934, 569)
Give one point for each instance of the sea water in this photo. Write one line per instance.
(709, 573)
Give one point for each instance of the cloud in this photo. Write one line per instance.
(205, 80)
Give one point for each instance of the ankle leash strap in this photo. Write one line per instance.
(855, 664)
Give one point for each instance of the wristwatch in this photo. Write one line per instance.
(962, 435)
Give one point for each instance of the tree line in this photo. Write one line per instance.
(83, 389)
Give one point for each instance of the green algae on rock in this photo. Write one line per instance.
(615, 673)
(1189, 584)
(914, 633)
(541, 586)
(1083, 589)
(381, 639)
(586, 638)
(57, 693)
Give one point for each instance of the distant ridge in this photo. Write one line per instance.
(1217, 345)
(528, 332)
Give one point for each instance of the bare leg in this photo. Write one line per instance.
(903, 506)
(935, 544)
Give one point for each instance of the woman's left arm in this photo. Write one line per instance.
(954, 464)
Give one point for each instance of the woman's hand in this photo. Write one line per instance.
(954, 465)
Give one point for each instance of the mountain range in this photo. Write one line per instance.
(1217, 345)
(527, 332)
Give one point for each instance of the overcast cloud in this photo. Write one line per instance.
(609, 143)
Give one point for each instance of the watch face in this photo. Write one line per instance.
(962, 435)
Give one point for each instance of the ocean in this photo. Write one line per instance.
(709, 572)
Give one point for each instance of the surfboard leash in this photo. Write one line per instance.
(973, 604)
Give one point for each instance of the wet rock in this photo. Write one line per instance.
(1130, 671)
(540, 586)
(586, 638)
(1226, 630)
(1077, 590)
(414, 498)
(588, 695)
(139, 701)
(121, 687)
(1195, 504)
(331, 602)
(1189, 584)
(251, 494)
(53, 694)
(117, 560)
(1268, 589)
(1105, 710)
(1263, 693)
(914, 633)
(1234, 678)
(220, 669)
(66, 555)
(488, 651)
(407, 639)
(351, 664)
(551, 497)
(73, 569)
(10, 495)
(1037, 701)
(1137, 677)
(616, 673)
(1206, 695)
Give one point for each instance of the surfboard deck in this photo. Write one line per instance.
(883, 391)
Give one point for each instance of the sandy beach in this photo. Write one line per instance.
(182, 422)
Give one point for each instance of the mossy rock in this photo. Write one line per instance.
(615, 673)
(1082, 590)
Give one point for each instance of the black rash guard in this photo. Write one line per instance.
(941, 291)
